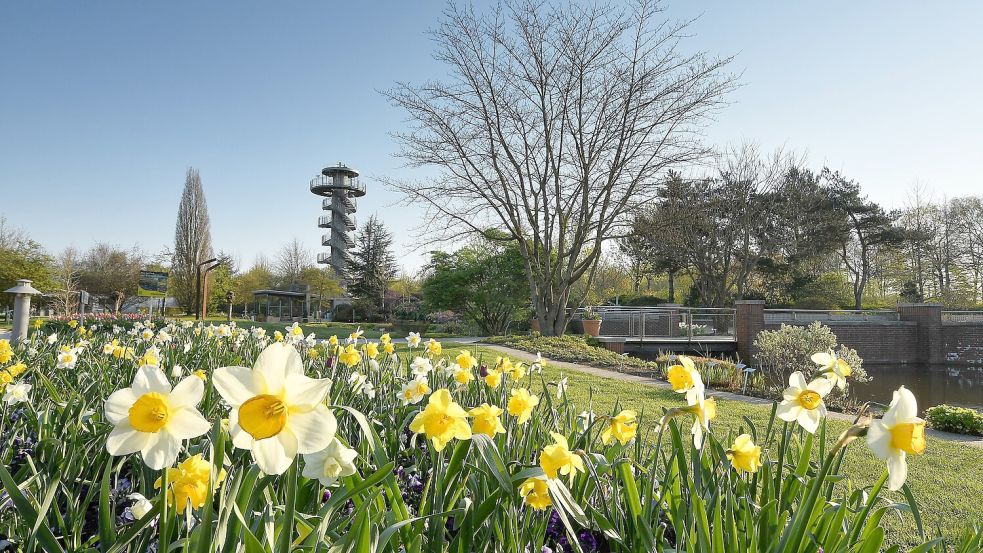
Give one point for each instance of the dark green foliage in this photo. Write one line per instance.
(960, 420)
(373, 265)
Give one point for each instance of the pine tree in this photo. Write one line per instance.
(373, 264)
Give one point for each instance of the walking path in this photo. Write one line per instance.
(972, 441)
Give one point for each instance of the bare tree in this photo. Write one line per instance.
(554, 121)
(192, 239)
(66, 271)
(112, 273)
(291, 262)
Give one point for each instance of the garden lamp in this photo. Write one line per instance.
(22, 308)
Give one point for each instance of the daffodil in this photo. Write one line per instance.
(67, 358)
(333, 341)
(350, 356)
(17, 393)
(521, 404)
(804, 402)
(389, 348)
(434, 348)
(493, 378)
(5, 379)
(465, 360)
(557, 459)
(414, 390)
(150, 357)
(535, 492)
(463, 376)
(622, 427)
(328, 465)
(17, 369)
(538, 364)
(141, 505)
(421, 366)
(515, 371)
(487, 420)
(385, 338)
(190, 483)
(898, 433)
(685, 379)
(413, 340)
(371, 350)
(833, 367)
(442, 420)
(277, 411)
(744, 455)
(152, 418)
(704, 410)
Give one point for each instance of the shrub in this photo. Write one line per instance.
(789, 349)
(960, 420)
(577, 349)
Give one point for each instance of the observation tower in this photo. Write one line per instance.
(339, 186)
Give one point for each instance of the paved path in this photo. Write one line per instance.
(972, 441)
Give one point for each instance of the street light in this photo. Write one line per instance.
(199, 305)
(22, 308)
(230, 296)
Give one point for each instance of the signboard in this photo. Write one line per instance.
(153, 284)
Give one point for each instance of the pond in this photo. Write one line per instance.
(931, 384)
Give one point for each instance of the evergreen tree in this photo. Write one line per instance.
(372, 266)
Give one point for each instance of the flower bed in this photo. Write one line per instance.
(215, 438)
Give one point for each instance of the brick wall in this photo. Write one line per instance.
(963, 342)
(876, 342)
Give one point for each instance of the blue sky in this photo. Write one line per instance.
(104, 105)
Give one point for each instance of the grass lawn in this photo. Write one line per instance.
(947, 480)
(323, 331)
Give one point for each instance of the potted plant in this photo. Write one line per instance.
(591, 321)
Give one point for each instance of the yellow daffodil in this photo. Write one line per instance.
(487, 420)
(151, 357)
(38, 323)
(6, 352)
(833, 368)
(521, 404)
(277, 336)
(73, 323)
(389, 348)
(201, 374)
(515, 371)
(414, 390)
(333, 340)
(371, 350)
(557, 459)
(463, 376)
(466, 360)
(434, 348)
(277, 411)
(152, 418)
(744, 455)
(442, 420)
(897, 434)
(493, 379)
(190, 483)
(312, 353)
(536, 493)
(5, 379)
(685, 379)
(804, 402)
(385, 338)
(17, 369)
(350, 356)
(623, 427)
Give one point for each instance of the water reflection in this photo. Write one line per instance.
(931, 384)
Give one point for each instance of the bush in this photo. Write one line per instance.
(577, 349)
(789, 349)
(961, 420)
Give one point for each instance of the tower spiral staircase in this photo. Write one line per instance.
(339, 186)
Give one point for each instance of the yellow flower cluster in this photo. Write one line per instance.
(190, 483)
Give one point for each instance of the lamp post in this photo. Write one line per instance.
(199, 314)
(230, 296)
(22, 308)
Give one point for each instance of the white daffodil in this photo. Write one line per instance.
(187, 347)
(685, 379)
(833, 367)
(295, 333)
(67, 358)
(177, 371)
(703, 409)
(152, 418)
(187, 324)
(538, 364)
(585, 419)
(414, 390)
(223, 331)
(421, 366)
(804, 402)
(163, 337)
(331, 463)
(311, 340)
(561, 387)
(354, 337)
(258, 332)
(277, 411)
(897, 434)
(141, 505)
(146, 335)
(53, 338)
(413, 340)
(368, 389)
(17, 393)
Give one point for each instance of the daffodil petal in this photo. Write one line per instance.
(185, 424)
(118, 406)
(314, 430)
(275, 362)
(303, 390)
(879, 439)
(188, 392)
(124, 439)
(797, 380)
(237, 384)
(150, 379)
(897, 470)
(161, 450)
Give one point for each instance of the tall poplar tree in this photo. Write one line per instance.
(192, 240)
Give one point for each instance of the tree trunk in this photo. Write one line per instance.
(672, 286)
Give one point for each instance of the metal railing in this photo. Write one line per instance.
(775, 316)
(352, 184)
(682, 323)
(962, 316)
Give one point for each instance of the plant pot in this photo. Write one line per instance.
(534, 324)
(592, 328)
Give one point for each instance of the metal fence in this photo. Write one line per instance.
(776, 316)
(962, 316)
(683, 323)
